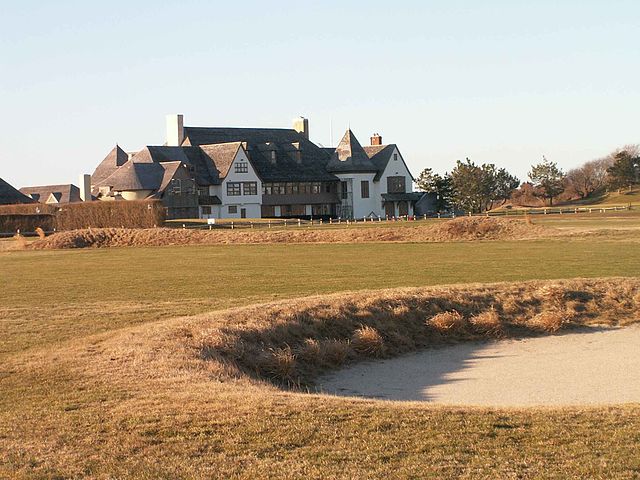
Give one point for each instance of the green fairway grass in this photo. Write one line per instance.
(105, 289)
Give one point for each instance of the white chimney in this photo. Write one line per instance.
(85, 188)
(301, 125)
(175, 130)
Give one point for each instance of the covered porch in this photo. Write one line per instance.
(400, 204)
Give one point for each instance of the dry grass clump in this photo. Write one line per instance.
(459, 229)
(487, 323)
(40, 232)
(279, 364)
(444, 322)
(292, 342)
(366, 340)
(550, 321)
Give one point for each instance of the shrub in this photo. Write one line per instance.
(367, 341)
(447, 321)
(12, 222)
(72, 216)
(105, 214)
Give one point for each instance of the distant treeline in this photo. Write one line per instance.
(476, 188)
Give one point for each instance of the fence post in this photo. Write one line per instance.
(299, 223)
(232, 226)
(285, 223)
(269, 223)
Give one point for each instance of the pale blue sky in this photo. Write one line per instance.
(498, 81)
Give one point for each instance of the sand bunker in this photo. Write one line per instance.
(599, 367)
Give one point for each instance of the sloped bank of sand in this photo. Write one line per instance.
(600, 367)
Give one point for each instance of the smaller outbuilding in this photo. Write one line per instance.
(53, 194)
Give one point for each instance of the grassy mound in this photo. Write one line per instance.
(290, 343)
(474, 228)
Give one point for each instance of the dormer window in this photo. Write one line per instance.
(242, 167)
(273, 156)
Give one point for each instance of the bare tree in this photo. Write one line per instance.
(590, 177)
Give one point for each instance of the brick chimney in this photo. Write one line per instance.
(376, 139)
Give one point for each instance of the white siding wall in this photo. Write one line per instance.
(363, 207)
(252, 203)
(395, 168)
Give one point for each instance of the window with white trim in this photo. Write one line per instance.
(233, 189)
(242, 167)
(249, 188)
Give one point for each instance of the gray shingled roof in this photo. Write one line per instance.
(221, 155)
(260, 142)
(349, 156)
(140, 174)
(380, 156)
(10, 195)
(202, 169)
(116, 158)
(68, 193)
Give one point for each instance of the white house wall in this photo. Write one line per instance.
(396, 168)
(252, 203)
(363, 207)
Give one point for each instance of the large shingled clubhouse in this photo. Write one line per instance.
(260, 172)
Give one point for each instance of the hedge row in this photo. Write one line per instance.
(99, 214)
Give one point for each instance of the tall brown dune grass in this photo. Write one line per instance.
(475, 228)
(292, 342)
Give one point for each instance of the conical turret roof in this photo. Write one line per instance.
(349, 156)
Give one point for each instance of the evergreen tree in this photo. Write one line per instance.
(625, 170)
(549, 178)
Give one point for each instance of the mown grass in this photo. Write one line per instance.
(53, 296)
(91, 388)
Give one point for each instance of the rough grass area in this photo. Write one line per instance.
(474, 228)
(292, 342)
